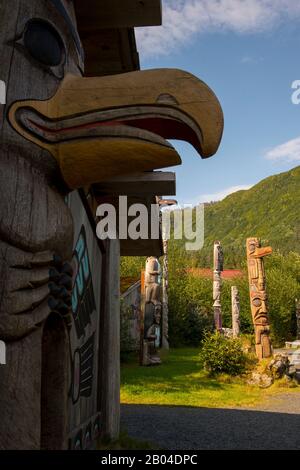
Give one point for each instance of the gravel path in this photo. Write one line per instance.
(276, 425)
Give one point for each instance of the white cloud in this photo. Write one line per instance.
(287, 152)
(219, 195)
(182, 19)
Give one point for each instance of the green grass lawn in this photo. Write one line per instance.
(181, 381)
(125, 442)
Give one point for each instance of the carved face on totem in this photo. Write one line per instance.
(252, 245)
(153, 270)
(259, 306)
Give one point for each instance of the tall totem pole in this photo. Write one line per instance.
(258, 296)
(165, 276)
(151, 311)
(165, 299)
(235, 309)
(217, 284)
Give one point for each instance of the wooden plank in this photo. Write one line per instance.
(109, 52)
(151, 183)
(95, 14)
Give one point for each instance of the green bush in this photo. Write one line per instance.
(197, 322)
(190, 310)
(222, 355)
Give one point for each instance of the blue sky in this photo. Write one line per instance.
(247, 51)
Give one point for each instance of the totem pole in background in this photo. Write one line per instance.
(151, 313)
(217, 284)
(163, 203)
(165, 299)
(258, 296)
(235, 308)
(297, 304)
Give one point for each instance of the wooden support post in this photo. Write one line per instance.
(110, 345)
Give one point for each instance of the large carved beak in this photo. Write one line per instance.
(263, 251)
(100, 127)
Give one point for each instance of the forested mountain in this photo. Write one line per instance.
(269, 210)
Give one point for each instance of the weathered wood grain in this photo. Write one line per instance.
(35, 224)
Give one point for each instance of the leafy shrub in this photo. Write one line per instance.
(190, 310)
(222, 355)
(197, 322)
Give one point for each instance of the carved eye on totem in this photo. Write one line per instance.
(257, 302)
(252, 247)
(42, 42)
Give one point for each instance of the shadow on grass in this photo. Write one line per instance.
(184, 428)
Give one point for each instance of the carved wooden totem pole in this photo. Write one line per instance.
(152, 309)
(258, 296)
(217, 284)
(163, 203)
(235, 308)
(59, 132)
(165, 298)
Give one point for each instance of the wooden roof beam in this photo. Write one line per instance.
(101, 14)
(146, 183)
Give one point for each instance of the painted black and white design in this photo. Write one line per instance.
(83, 362)
(83, 299)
